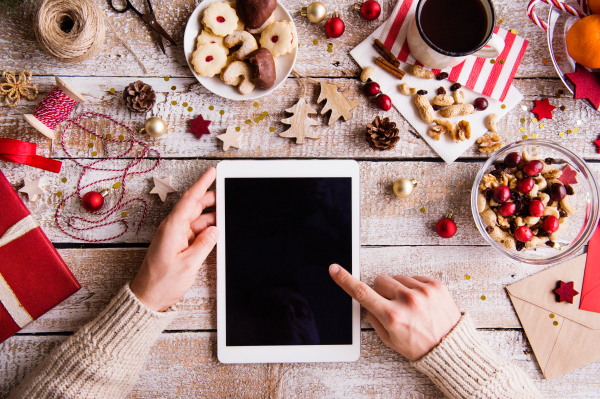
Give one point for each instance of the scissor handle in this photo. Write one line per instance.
(128, 6)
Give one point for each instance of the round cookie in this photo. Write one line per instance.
(220, 18)
(233, 4)
(209, 59)
(277, 38)
(263, 68)
(294, 37)
(244, 38)
(206, 37)
(254, 13)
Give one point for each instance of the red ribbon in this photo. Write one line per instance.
(23, 153)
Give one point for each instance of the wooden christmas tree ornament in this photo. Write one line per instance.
(337, 102)
(300, 123)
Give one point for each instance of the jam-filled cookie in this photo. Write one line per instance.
(207, 37)
(278, 38)
(233, 4)
(294, 37)
(209, 59)
(220, 18)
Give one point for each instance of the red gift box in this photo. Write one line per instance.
(33, 276)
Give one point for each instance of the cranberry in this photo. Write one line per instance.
(507, 209)
(512, 159)
(480, 104)
(274, 39)
(536, 208)
(384, 102)
(557, 191)
(501, 194)
(523, 234)
(551, 224)
(220, 20)
(534, 167)
(371, 89)
(209, 58)
(525, 185)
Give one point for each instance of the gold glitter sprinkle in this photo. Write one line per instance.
(261, 117)
(94, 153)
(551, 315)
(117, 185)
(513, 31)
(534, 120)
(562, 107)
(190, 109)
(561, 134)
(185, 104)
(503, 106)
(329, 44)
(575, 130)
(108, 136)
(174, 102)
(524, 108)
(534, 136)
(545, 61)
(59, 194)
(64, 180)
(525, 137)
(93, 137)
(555, 323)
(522, 129)
(467, 277)
(492, 61)
(121, 138)
(222, 112)
(211, 107)
(265, 113)
(112, 91)
(91, 145)
(166, 78)
(483, 298)
(330, 50)
(256, 105)
(124, 214)
(501, 62)
(173, 87)
(272, 129)
(522, 120)
(257, 119)
(423, 210)
(315, 42)
(237, 128)
(579, 122)
(248, 121)
(542, 125)
(569, 131)
(500, 20)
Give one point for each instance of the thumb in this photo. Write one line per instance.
(202, 245)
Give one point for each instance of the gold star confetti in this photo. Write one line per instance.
(542, 125)
(551, 315)
(91, 145)
(467, 277)
(522, 120)
(121, 138)
(211, 107)
(166, 78)
(503, 106)
(248, 121)
(265, 113)
(261, 117)
(330, 50)
(112, 91)
(575, 130)
(555, 323)
(525, 137)
(257, 119)
(569, 131)
(423, 210)
(185, 104)
(501, 62)
(500, 20)
(256, 105)
(64, 180)
(534, 120)
(315, 42)
(483, 298)
(578, 122)
(237, 128)
(190, 109)
(124, 214)
(561, 134)
(272, 129)
(173, 87)
(93, 137)
(222, 112)
(534, 136)
(513, 31)
(108, 136)
(522, 129)
(492, 61)
(174, 102)
(59, 194)
(94, 153)
(117, 185)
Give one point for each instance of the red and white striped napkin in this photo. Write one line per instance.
(478, 74)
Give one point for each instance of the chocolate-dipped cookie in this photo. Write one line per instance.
(254, 13)
(263, 67)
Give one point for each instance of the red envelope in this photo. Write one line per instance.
(590, 292)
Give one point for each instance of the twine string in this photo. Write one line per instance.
(54, 108)
(301, 79)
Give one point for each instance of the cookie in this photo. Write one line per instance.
(261, 28)
(206, 37)
(239, 69)
(254, 13)
(230, 59)
(294, 37)
(209, 59)
(220, 18)
(263, 68)
(277, 38)
(233, 4)
(247, 41)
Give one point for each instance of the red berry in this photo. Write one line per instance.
(384, 102)
(507, 209)
(334, 27)
(534, 167)
(501, 194)
(523, 234)
(480, 104)
(557, 191)
(551, 224)
(536, 208)
(525, 185)
(371, 89)
(446, 228)
(512, 159)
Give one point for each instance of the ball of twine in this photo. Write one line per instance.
(70, 30)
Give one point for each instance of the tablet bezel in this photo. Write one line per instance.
(285, 168)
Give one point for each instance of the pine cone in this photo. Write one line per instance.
(382, 134)
(139, 97)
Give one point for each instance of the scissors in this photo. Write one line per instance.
(150, 19)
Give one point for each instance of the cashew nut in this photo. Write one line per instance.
(519, 221)
(535, 242)
(545, 198)
(407, 90)
(491, 123)
(534, 191)
(550, 211)
(531, 220)
(541, 182)
(459, 97)
(566, 206)
(481, 203)
(561, 227)
(366, 73)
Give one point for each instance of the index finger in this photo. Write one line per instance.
(360, 291)
(185, 207)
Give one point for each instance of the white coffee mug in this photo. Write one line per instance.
(427, 53)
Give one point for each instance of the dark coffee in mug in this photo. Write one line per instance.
(456, 26)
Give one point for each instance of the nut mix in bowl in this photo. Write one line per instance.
(525, 208)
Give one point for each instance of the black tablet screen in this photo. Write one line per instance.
(282, 234)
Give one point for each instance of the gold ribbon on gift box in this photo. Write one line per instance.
(7, 297)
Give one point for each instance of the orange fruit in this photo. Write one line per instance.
(583, 41)
(594, 6)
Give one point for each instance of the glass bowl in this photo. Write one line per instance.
(585, 200)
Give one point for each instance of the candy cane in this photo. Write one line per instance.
(556, 3)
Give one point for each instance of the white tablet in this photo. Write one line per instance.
(282, 224)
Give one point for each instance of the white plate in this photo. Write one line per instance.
(285, 63)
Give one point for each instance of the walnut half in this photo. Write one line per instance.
(491, 142)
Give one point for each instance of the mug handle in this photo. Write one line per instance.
(496, 46)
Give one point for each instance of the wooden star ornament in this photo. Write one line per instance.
(337, 102)
(162, 187)
(566, 292)
(543, 109)
(231, 138)
(300, 123)
(33, 189)
(200, 126)
(587, 84)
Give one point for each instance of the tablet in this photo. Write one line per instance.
(282, 224)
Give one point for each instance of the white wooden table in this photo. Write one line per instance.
(396, 236)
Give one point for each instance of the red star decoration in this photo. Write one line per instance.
(587, 84)
(566, 292)
(543, 109)
(568, 176)
(200, 126)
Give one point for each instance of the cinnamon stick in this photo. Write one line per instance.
(389, 68)
(387, 54)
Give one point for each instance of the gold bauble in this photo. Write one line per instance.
(155, 127)
(404, 187)
(315, 12)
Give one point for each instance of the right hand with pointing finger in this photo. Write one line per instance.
(411, 315)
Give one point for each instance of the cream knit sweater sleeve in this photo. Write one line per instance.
(463, 366)
(103, 359)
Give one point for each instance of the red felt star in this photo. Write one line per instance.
(566, 292)
(543, 109)
(569, 176)
(200, 126)
(597, 142)
(587, 84)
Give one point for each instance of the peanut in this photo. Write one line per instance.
(457, 110)
(419, 72)
(425, 108)
(491, 123)
(443, 100)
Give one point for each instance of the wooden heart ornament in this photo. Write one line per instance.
(254, 13)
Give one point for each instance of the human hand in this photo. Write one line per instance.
(181, 244)
(410, 315)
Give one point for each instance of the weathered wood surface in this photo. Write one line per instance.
(341, 140)
(385, 219)
(184, 365)
(20, 51)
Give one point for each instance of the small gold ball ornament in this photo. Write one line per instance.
(315, 12)
(404, 187)
(155, 127)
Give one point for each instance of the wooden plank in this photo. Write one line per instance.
(185, 365)
(313, 60)
(385, 219)
(341, 140)
(102, 272)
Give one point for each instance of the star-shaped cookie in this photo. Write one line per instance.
(32, 188)
(566, 292)
(162, 187)
(543, 109)
(231, 138)
(200, 126)
(587, 84)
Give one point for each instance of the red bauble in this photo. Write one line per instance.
(446, 227)
(370, 10)
(384, 102)
(93, 200)
(334, 27)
